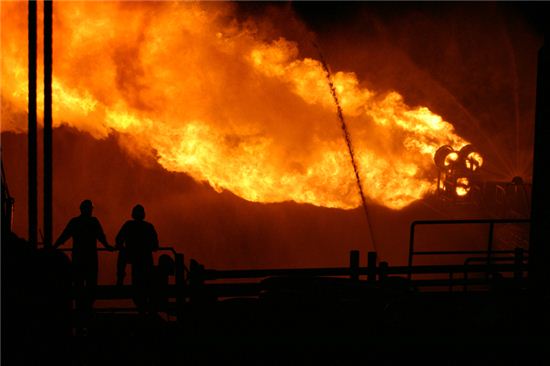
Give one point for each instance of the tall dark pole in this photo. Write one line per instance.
(539, 242)
(48, 219)
(32, 183)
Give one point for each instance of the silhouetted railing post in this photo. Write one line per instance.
(383, 271)
(490, 246)
(180, 285)
(354, 265)
(538, 272)
(518, 263)
(465, 286)
(411, 249)
(196, 279)
(371, 266)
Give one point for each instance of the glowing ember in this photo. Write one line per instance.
(473, 161)
(450, 159)
(210, 97)
(462, 187)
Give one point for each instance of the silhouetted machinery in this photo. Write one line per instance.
(458, 177)
(7, 205)
(459, 181)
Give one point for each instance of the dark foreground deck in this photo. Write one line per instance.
(480, 312)
(466, 329)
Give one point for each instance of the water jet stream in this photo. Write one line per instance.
(349, 144)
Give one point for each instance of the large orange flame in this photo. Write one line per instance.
(209, 96)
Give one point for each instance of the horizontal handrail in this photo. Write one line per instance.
(484, 259)
(175, 255)
(470, 221)
(254, 288)
(210, 274)
(103, 249)
(461, 252)
(489, 251)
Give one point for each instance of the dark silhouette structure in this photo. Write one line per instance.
(32, 126)
(137, 240)
(161, 278)
(85, 230)
(48, 143)
(540, 210)
(36, 311)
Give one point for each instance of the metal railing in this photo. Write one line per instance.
(519, 259)
(489, 252)
(197, 283)
(376, 275)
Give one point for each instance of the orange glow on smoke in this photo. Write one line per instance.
(209, 96)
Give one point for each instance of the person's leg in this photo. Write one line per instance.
(121, 267)
(78, 288)
(91, 282)
(138, 284)
(78, 285)
(150, 285)
(90, 270)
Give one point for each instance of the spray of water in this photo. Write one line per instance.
(347, 137)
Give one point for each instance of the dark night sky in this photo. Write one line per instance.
(474, 63)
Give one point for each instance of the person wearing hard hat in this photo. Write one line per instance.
(136, 241)
(85, 230)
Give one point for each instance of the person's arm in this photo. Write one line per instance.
(155, 239)
(102, 238)
(121, 237)
(65, 235)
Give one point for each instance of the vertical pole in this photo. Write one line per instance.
(411, 249)
(354, 265)
(32, 166)
(465, 278)
(383, 271)
(48, 177)
(490, 246)
(371, 267)
(518, 263)
(180, 286)
(539, 238)
(7, 204)
(195, 280)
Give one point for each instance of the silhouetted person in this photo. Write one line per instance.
(85, 230)
(121, 266)
(137, 240)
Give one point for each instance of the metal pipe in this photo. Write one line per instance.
(539, 250)
(32, 165)
(411, 248)
(460, 252)
(354, 265)
(490, 243)
(48, 164)
(371, 267)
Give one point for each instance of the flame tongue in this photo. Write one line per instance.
(214, 100)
